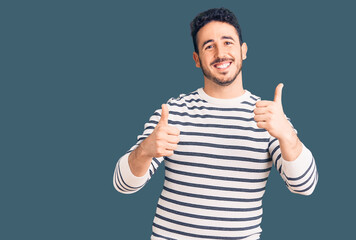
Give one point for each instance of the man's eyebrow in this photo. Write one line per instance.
(208, 41)
(228, 37)
(223, 37)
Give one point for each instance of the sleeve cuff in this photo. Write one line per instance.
(128, 177)
(298, 167)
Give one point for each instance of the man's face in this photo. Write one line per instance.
(220, 53)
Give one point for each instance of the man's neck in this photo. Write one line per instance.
(234, 90)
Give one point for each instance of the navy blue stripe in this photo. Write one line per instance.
(205, 144)
(303, 175)
(181, 96)
(141, 138)
(216, 177)
(248, 103)
(274, 150)
(218, 166)
(275, 164)
(122, 186)
(210, 116)
(306, 189)
(254, 98)
(205, 227)
(122, 179)
(194, 100)
(203, 125)
(154, 122)
(207, 126)
(211, 108)
(305, 182)
(198, 235)
(192, 93)
(211, 197)
(154, 169)
(214, 187)
(208, 217)
(150, 127)
(118, 185)
(224, 209)
(222, 157)
(156, 161)
(166, 238)
(271, 142)
(224, 136)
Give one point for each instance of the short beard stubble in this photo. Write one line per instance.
(216, 80)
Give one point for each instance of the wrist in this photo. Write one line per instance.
(290, 146)
(139, 161)
(288, 137)
(142, 152)
(288, 134)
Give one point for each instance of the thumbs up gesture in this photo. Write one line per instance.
(270, 116)
(164, 138)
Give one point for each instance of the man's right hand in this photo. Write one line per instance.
(161, 142)
(164, 138)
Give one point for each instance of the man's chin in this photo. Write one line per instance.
(223, 82)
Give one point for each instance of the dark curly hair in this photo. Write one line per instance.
(215, 14)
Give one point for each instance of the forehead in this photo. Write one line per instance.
(215, 30)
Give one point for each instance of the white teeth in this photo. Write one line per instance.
(224, 65)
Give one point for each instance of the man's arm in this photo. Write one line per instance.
(135, 168)
(270, 116)
(300, 175)
(161, 142)
(293, 160)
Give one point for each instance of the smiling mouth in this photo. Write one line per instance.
(222, 65)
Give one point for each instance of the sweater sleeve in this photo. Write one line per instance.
(124, 180)
(300, 175)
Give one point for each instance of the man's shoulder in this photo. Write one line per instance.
(254, 98)
(186, 97)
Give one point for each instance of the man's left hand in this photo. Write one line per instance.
(270, 116)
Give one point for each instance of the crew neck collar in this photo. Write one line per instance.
(230, 102)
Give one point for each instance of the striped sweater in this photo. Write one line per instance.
(216, 178)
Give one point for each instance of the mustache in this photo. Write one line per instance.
(218, 60)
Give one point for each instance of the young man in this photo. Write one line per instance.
(218, 143)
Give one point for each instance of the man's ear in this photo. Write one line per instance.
(244, 51)
(196, 59)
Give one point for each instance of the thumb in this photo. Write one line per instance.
(278, 93)
(164, 114)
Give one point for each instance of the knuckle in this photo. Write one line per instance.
(159, 144)
(160, 151)
(160, 135)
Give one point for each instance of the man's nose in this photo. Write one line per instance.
(219, 52)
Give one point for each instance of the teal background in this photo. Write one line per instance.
(80, 78)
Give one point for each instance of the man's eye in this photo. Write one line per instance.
(209, 47)
(228, 43)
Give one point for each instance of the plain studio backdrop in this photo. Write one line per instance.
(80, 78)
